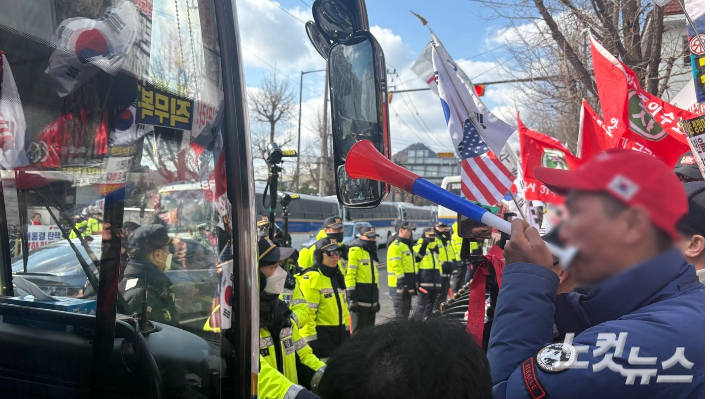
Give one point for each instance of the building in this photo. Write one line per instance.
(675, 43)
(421, 160)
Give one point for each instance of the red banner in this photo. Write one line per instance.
(537, 149)
(623, 103)
(594, 136)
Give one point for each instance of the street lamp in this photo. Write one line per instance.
(300, 105)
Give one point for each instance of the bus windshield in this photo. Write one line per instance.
(111, 121)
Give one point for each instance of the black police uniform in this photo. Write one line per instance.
(161, 300)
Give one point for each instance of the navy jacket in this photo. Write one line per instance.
(660, 303)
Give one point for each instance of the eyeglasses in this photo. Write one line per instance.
(332, 253)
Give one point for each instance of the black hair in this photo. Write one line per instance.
(318, 255)
(409, 360)
(33, 216)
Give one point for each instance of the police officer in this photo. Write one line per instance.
(333, 228)
(639, 322)
(148, 257)
(320, 300)
(460, 271)
(447, 258)
(287, 362)
(401, 270)
(362, 279)
(80, 225)
(428, 268)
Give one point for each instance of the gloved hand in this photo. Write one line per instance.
(290, 282)
(446, 267)
(353, 307)
(422, 249)
(401, 283)
(376, 308)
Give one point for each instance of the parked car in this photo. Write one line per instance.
(55, 269)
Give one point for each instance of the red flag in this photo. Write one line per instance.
(623, 103)
(668, 116)
(537, 149)
(594, 136)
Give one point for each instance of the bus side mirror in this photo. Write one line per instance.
(359, 111)
(358, 91)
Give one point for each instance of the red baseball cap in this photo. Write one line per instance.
(629, 176)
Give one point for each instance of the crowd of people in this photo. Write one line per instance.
(624, 319)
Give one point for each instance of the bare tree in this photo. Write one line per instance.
(311, 158)
(549, 38)
(274, 102)
(260, 140)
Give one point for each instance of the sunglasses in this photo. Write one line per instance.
(332, 253)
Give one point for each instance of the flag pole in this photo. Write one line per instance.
(522, 215)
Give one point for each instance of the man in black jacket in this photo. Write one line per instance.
(148, 257)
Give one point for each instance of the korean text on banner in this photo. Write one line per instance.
(695, 129)
(537, 149)
(39, 236)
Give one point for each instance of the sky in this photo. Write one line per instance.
(273, 38)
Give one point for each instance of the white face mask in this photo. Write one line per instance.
(275, 283)
(168, 261)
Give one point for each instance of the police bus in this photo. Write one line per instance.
(451, 184)
(110, 100)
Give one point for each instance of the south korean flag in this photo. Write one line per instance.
(85, 46)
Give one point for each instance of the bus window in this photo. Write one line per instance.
(119, 104)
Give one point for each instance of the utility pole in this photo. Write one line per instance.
(324, 137)
(298, 153)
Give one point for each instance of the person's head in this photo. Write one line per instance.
(692, 225)
(129, 227)
(271, 276)
(430, 360)
(328, 252)
(37, 217)
(333, 227)
(368, 233)
(151, 243)
(404, 229)
(429, 237)
(442, 227)
(262, 224)
(623, 207)
(687, 169)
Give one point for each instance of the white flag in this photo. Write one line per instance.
(13, 127)
(85, 46)
(462, 100)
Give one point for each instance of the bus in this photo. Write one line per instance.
(307, 213)
(451, 184)
(106, 102)
(381, 218)
(421, 216)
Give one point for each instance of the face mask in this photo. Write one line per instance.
(168, 260)
(275, 283)
(371, 245)
(337, 236)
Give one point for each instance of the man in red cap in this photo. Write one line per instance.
(635, 328)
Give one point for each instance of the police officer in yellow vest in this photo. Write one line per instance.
(320, 300)
(459, 273)
(332, 228)
(80, 225)
(428, 274)
(401, 270)
(447, 257)
(287, 363)
(362, 280)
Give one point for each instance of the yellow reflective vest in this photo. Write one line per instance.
(362, 280)
(446, 254)
(456, 241)
(307, 260)
(428, 266)
(93, 226)
(320, 305)
(79, 226)
(401, 268)
(278, 380)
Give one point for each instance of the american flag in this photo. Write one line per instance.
(483, 177)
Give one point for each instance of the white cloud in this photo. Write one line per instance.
(276, 37)
(397, 53)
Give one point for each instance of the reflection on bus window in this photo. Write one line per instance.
(119, 104)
